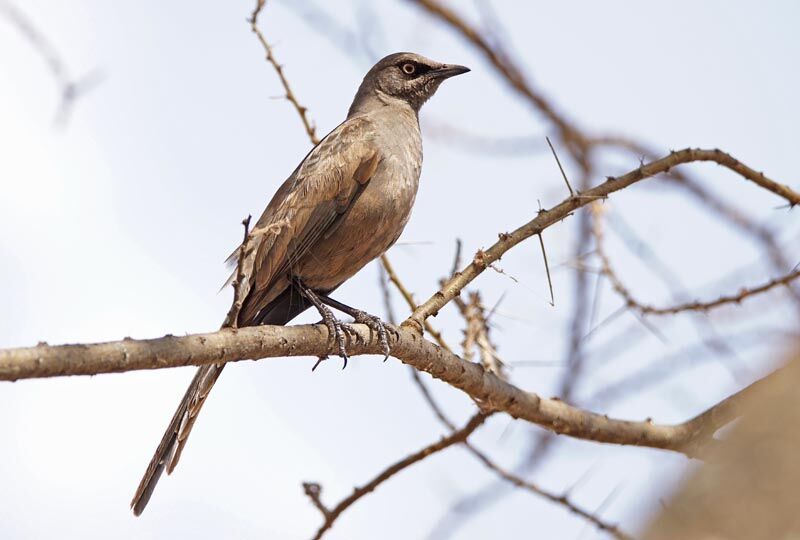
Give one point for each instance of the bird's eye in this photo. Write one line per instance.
(409, 69)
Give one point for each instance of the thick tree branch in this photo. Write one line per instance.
(494, 394)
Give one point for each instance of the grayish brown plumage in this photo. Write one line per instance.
(345, 204)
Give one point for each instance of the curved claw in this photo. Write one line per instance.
(319, 361)
(335, 332)
(338, 334)
(376, 324)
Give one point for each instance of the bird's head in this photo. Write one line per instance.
(406, 77)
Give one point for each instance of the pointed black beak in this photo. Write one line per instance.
(450, 70)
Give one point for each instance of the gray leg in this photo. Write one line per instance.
(335, 330)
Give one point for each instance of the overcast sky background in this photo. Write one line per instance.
(116, 224)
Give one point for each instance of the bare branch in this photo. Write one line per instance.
(331, 515)
(732, 215)
(547, 270)
(395, 279)
(494, 394)
(240, 281)
(476, 335)
(546, 218)
(515, 480)
(301, 110)
(314, 492)
(646, 309)
(561, 500)
(560, 168)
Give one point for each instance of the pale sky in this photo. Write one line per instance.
(117, 224)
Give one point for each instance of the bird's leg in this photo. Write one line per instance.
(375, 323)
(335, 330)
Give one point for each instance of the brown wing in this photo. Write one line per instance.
(305, 208)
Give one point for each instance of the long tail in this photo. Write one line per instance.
(283, 309)
(169, 449)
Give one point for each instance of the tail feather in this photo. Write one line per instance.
(169, 449)
(282, 310)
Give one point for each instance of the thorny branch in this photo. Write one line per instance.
(562, 500)
(549, 217)
(240, 280)
(645, 309)
(732, 215)
(476, 334)
(395, 279)
(582, 148)
(515, 480)
(311, 131)
(330, 516)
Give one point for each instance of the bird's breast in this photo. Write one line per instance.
(373, 222)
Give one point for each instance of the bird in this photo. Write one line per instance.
(344, 205)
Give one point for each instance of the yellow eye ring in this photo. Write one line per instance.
(409, 69)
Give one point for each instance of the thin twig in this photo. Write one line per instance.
(476, 335)
(561, 500)
(731, 214)
(696, 305)
(456, 437)
(395, 279)
(240, 283)
(560, 168)
(515, 480)
(289, 95)
(547, 269)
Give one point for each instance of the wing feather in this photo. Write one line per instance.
(306, 207)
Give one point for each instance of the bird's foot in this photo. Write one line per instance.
(378, 326)
(336, 330)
